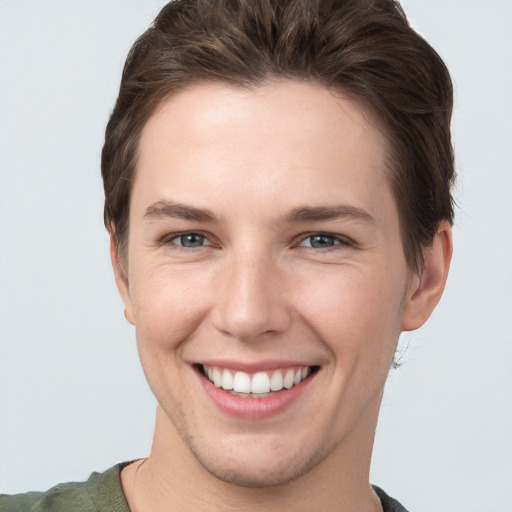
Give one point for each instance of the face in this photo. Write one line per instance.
(265, 276)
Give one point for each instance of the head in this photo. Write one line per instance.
(277, 177)
(364, 49)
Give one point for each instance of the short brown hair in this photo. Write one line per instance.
(364, 48)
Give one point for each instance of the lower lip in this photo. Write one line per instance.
(253, 408)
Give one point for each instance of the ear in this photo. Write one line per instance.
(425, 289)
(122, 283)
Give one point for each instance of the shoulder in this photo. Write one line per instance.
(61, 498)
(101, 492)
(388, 504)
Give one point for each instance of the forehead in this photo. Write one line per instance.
(277, 141)
(202, 108)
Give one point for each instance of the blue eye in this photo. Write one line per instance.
(321, 241)
(190, 240)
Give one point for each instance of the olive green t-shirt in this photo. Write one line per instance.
(103, 493)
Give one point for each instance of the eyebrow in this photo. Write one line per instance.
(325, 213)
(165, 208)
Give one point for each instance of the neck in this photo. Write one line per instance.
(171, 475)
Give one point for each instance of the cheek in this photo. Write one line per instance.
(168, 305)
(356, 313)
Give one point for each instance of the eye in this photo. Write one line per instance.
(190, 240)
(322, 241)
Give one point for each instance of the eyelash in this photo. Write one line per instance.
(335, 239)
(176, 236)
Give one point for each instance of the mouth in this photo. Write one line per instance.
(260, 384)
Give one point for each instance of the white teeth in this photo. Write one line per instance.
(276, 382)
(260, 383)
(288, 379)
(241, 382)
(227, 380)
(217, 377)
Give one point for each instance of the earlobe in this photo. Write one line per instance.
(425, 289)
(122, 283)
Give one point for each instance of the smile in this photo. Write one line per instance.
(256, 385)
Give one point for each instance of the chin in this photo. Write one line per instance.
(244, 471)
(254, 478)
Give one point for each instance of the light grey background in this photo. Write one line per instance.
(72, 396)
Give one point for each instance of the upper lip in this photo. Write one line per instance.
(254, 366)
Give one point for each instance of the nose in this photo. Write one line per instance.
(251, 298)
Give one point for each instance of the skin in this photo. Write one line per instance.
(257, 291)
